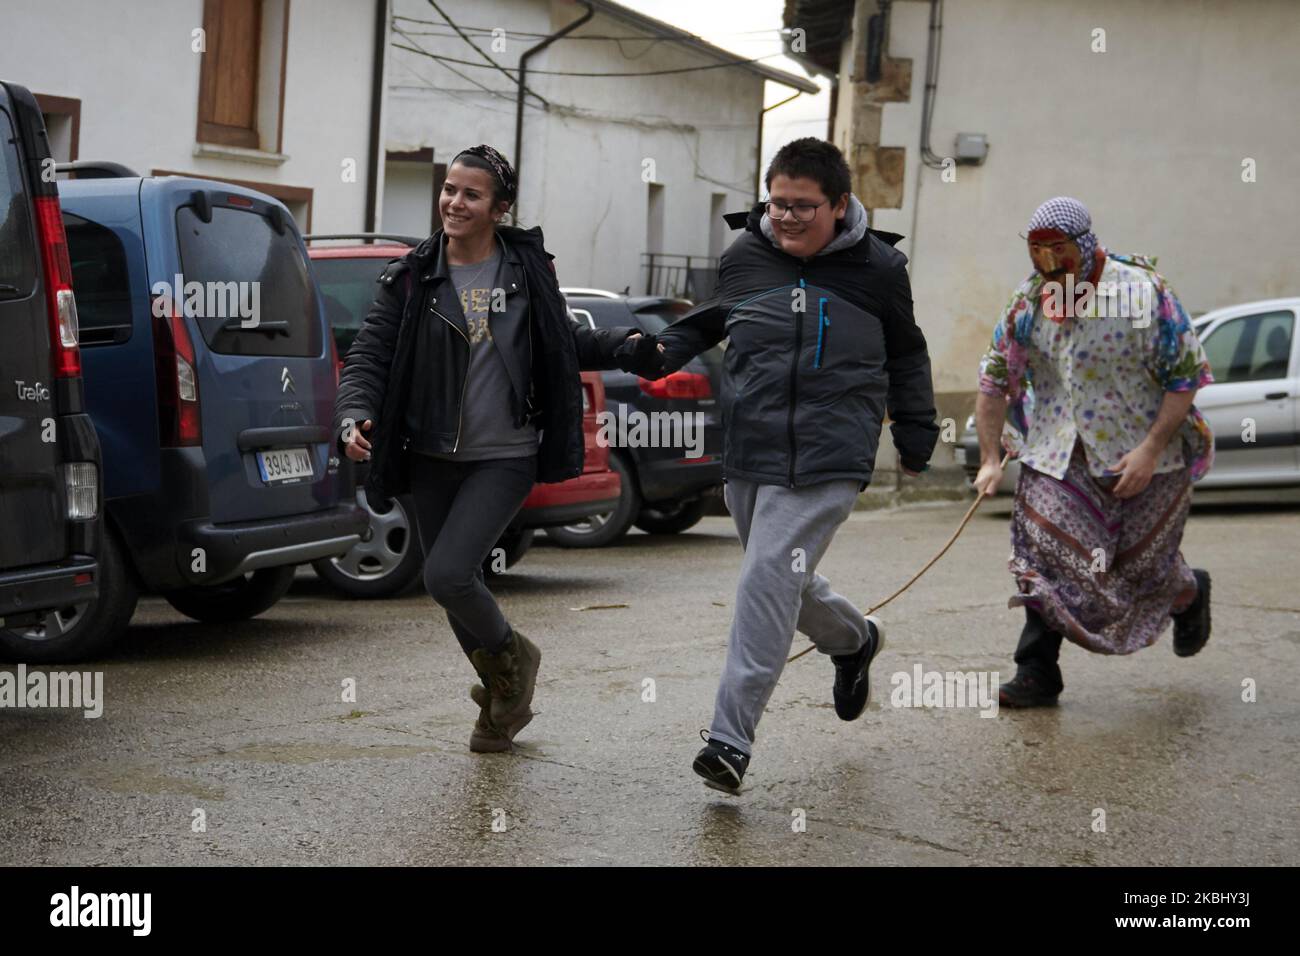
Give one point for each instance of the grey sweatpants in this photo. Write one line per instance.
(785, 532)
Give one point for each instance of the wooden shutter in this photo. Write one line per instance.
(228, 78)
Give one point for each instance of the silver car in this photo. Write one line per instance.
(1253, 405)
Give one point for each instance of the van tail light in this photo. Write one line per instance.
(81, 482)
(60, 301)
(678, 385)
(588, 398)
(178, 382)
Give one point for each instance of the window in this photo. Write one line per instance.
(1252, 348)
(241, 80)
(17, 241)
(717, 225)
(348, 288)
(101, 281)
(62, 115)
(654, 223)
(238, 246)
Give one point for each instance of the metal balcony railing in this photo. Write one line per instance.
(679, 276)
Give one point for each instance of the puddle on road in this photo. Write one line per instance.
(145, 780)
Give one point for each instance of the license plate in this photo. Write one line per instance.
(959, 453)
(284, 465)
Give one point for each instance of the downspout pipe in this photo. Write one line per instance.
(758, 152)
(519, 96)
(376, 111)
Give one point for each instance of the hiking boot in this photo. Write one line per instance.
(852, 682)
(1192, 626)
(1031, 688)
(486, 737)
(511, 678)
(721, 765)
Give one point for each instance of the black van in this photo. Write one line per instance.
(50, 489)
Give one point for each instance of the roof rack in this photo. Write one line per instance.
(96, 169)
(369, 236)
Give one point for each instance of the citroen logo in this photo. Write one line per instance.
(286, 381)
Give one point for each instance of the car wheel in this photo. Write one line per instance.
(237, 600)
(510, 547)
(385, 562)
(84, 630)
(671, 517)
(602, 529)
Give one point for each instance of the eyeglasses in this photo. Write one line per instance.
(803, 211)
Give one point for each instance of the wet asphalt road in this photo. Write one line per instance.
(247, 725)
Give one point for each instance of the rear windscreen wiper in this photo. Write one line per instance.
(277, 327)
(7, 289)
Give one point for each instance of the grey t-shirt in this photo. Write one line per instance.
(487, 427)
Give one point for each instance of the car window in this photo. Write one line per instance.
(348, 288)
(100, 281)
(239, 260)
(17, 241)
(1251, 348)
(604, 313)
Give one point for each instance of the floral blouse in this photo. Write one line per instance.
(1100, 376)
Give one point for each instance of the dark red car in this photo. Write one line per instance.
(388, 559)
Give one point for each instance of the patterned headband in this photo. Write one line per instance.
(505, 173)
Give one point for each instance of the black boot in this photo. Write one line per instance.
(1030, 688)
(1192, 626)
(1038, 681)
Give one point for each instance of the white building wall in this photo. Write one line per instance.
(1150, 134)
(585, 158)
(131, 64)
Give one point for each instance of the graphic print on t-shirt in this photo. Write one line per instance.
(475, 304)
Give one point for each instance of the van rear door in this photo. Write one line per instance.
(235, 268)
(33, 523)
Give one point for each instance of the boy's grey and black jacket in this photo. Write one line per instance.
(821, 349)
(407, 366)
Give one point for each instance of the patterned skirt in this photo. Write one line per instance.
(1103, 571)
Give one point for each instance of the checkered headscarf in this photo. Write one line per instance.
(1070, 218)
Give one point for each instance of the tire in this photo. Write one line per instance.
(82, 631)
(237, 600)
(600, 530)
(671, 517)
(386, 563)
(515, 544)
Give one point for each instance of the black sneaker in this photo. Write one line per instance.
(721, 765)
(1030, 688)
(852, 682)
(1192, 626)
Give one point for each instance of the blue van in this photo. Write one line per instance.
(210, 377)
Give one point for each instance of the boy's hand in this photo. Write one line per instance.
(356, 447)
(641, 355)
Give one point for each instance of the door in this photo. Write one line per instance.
(32, 516)
(1252, 404)
(261, 346)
